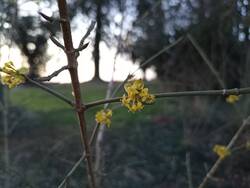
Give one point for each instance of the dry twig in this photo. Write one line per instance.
(54, 74)
(207, 61)
(229, 146)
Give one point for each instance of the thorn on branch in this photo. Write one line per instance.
(82, 47)
(47, 18)
(91, 27)
(56, 42)
(54, 74)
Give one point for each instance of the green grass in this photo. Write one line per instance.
(53, 111)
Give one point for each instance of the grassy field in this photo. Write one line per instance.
(58, 113)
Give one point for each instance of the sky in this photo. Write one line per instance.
(123, 65)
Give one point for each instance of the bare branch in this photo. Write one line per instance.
(72, 64)
(164, 49)
(90, 28)
(47, 18)
(63, 182)
(51, 91)
(189, 170)
(54, 74)
(207, 61)
(16, 123)
(229, 146)
(71, 171)
(56, 42)
(77, 51)
(130, 76)
(82, 46)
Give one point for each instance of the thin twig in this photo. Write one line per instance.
(90, 28)
(51, 91)
(16, 123)
(6, 150)
(206, 59)
(77, 51)
(56, 42)
(54, 74)
(81, 45)
(121, 85)
(47, 18)
(229, 146)
(189, 170)
(164, 49)
(223, 92)
(91, 140)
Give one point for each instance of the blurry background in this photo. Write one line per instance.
(156, 147)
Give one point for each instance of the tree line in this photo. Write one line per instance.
(220, 29)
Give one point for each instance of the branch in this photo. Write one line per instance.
(164, 49)
(51, 91)
(229, 146)
(207, 61)
(81, 159)
(47, 18)
(189, 171)
(54, 74)
(82, 46)
(77, 51)
(56, 42)
(130, 76)
(72, 67)
(222, 92)
(90, 28)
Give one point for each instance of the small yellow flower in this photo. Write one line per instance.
(12, 81)
(9, 68)
(221, 151)
(138, 84)
(104, 117)
(12, 77)
(136, 96)
(232, 98)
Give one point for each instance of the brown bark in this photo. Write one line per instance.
(72, 67)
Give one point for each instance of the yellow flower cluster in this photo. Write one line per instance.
(11, 76)
(232, 98)
(136, 96)
(104, 117)
(221, 151)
